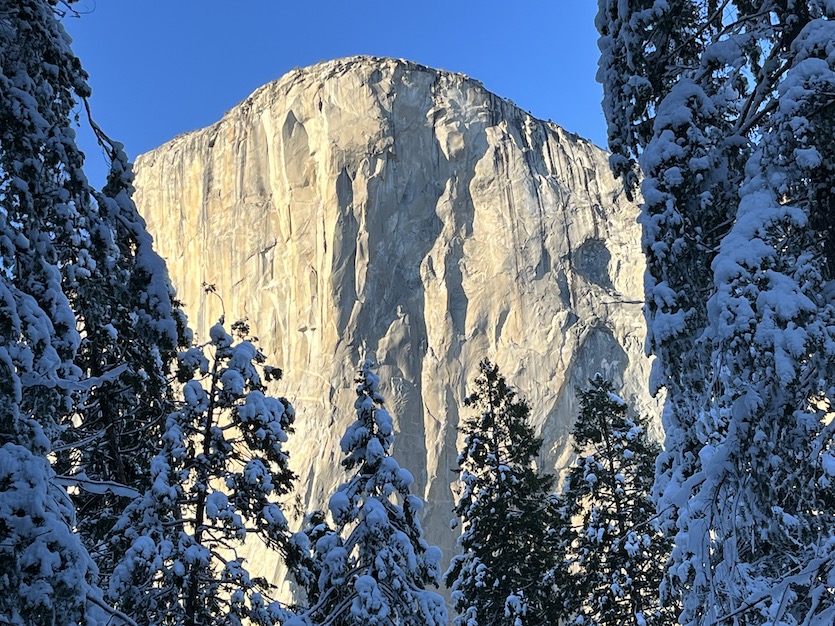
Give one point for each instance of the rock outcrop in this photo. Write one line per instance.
(371, 205)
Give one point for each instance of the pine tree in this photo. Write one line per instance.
(131, 330)
(615, 554)
(46, 574)
(87, 260)
(216, 481)
(374, 565)
(509, 543)
(737, 230)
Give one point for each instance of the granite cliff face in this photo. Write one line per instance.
(371, 205)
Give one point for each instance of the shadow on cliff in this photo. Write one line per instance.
(391, 318)
(599, 352)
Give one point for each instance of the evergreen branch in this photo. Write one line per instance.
(113, 612)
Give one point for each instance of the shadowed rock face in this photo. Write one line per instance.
(371, 205)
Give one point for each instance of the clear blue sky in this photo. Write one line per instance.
(159, 68)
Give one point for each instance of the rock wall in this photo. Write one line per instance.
(371, 205)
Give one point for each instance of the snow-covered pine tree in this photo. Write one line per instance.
(739, 179)
(45, 243)
(46, 574)
(615, 553)
(510, 544)
(104, 428)
(131, 328)
(690, 189)
(374, 566)
(130, 325)
(215, 482)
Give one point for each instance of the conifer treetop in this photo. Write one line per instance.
(509, 543)
(374, 565)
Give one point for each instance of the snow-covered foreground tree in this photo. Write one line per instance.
(88, 316)
(510, 544)
(215, 482)
(729, 108)
(615, 553)
(131, 329)
(58, 252)
(373, 568)
(130, 326)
